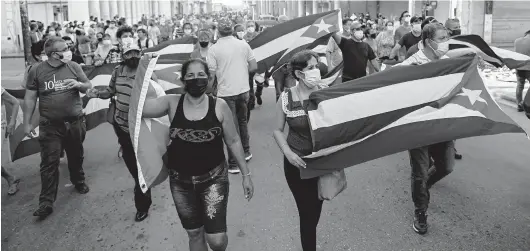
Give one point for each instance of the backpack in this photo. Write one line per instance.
(146, 43)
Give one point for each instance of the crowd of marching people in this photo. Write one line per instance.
(215, 109)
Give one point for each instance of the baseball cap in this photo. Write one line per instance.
(130, 47)
(415, 19)
(225, 25)
(427, 21)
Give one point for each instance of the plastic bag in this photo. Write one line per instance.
(331, 185)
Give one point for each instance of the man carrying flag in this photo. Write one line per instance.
(120, 88)
(435, 45)
(355, 53)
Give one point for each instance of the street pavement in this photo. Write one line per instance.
(483, 205)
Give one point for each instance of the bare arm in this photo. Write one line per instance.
(30, 100)
(375, 64)
(231, 137)
(278, 130)
(394, 51)
(157, 107)
(15, 106)
(252, 66)
(337, 37)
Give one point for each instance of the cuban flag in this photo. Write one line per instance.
(401, 108)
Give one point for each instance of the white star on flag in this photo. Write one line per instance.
(323, 26)
(473, 95)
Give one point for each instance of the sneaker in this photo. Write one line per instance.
(82, 188)
(140, 216)
(248, 156)
(458, 156)
(420, 222)
(43, 211)
(520, 108)
(233, 170)
(258, 99)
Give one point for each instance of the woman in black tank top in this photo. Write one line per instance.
(196, 160)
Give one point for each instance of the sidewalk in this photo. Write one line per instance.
(12, 55)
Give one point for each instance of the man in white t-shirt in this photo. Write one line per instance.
(154, 32)
(231, 60)
(112, 30)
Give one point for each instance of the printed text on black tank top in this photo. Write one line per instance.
(195, 136)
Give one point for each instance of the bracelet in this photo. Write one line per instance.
(248, 174)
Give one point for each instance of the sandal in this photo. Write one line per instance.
(13, 188)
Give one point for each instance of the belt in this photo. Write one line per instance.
(200, 178)
(65, 120)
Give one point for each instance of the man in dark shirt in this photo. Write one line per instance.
(410, 39)
(412, 50)
(355, 53)
(57, 83)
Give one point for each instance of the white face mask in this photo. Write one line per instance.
(407, 19)
(44, 57)
(127, 40)
(67, 56)
(107, 42)
(390, 28)
(240, 34)
(443, 47)
(251, 29)
(312, 78)
(358, 34)
(187, 31)
(416, 28)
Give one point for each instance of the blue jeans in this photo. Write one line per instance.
(201, 200)
(239, 106)
(443, 155)
(54, 136)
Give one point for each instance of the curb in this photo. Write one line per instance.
(12, 56)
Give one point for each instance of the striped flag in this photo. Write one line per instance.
(398, 109)
(95, 109)
(493, 55)
(276, 45)
(150, 137)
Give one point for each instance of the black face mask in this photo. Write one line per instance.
(373, 35)
(196, 87)
(204, 44)
(456, 32)
(100, 39)
(132, 62)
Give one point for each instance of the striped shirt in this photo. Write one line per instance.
(120, 86)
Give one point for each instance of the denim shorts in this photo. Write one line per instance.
(201, 200)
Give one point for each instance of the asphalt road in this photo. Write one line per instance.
(483, 205)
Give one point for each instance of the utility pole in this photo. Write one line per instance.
(24, 23)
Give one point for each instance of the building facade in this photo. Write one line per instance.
(498, 22)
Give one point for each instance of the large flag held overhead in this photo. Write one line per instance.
(398, 109)
(276, 45)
